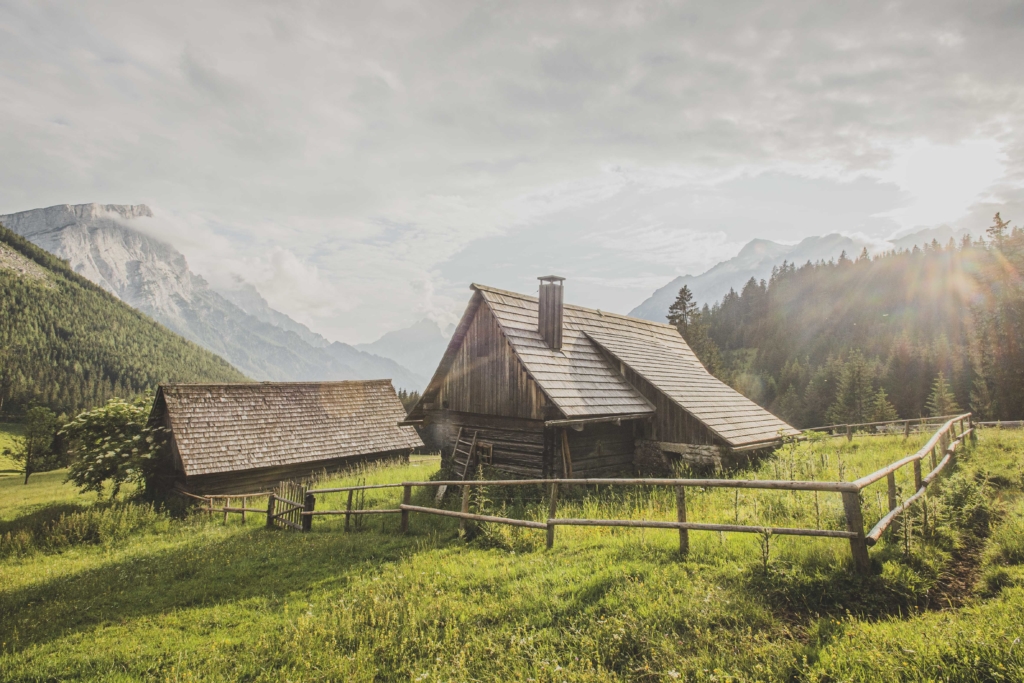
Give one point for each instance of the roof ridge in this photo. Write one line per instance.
(597, 311)
(275, 384)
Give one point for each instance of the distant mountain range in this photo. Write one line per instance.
(757, 259)
(418, 348)
(153, 277)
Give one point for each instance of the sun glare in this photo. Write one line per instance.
(942, 181)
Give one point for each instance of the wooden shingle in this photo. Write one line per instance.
(220, 428)
(581, 382)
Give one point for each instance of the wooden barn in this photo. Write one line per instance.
(237, 438)
(538, 388)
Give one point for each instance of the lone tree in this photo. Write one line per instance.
(683, 313)
(35, 447)
(941, 401)
(997, 231)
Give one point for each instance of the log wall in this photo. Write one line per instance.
(518, 445)
(600, 450)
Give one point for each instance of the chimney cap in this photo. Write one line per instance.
(551, 278)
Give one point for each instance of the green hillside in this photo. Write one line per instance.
(67, 344)
(820, 342)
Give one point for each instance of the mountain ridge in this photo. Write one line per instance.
(153, 277)
(757, 258)
(69, 344)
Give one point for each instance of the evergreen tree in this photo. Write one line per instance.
(681, 312)
(689, 321)
(855, 396)
(941, 401)
(997, 231)
(881, 409)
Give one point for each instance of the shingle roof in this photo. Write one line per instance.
(232, 427)
(581, 383)
(732, 416)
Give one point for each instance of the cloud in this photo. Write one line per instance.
(382, 154)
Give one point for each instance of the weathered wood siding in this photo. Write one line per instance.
(266, 478)
(518, 445)
(600, 450)
(487, 378)
(671, 423)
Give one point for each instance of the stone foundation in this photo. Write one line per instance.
(649, 461)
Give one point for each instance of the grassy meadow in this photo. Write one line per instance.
(94, 590)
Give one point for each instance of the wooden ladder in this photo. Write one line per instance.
(466, 447)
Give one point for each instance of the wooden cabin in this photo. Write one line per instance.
(237, 438)
(553, 390)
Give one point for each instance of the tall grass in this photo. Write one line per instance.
(198, 599)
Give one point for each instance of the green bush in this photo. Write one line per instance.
(96, 525)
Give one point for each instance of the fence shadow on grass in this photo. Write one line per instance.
(253, 564)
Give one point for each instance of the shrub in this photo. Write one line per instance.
(113, 443)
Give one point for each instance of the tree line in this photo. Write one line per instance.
(904, 334)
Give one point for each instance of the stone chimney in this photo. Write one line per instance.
(549, 319)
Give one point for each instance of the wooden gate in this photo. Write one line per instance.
(285, 506)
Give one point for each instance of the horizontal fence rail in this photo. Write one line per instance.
(294, 507)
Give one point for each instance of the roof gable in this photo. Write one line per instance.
(232, 427)
(581, 381)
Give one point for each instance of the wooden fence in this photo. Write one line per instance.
(293, 506)
(906, 427)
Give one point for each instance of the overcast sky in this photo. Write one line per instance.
(362, 163)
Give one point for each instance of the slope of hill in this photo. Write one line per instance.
(757, 259)
(67, 344)
(153, 277)
(818, 342)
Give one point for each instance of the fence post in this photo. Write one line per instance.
(934, 461)
(906, 431)
(855, 523)
(406, 500)
(245, 500)
(227, 501)
(465, 506)
(348, 509)
(917, 475)
(309, 505)
(552, 512)
(270, 510)
(891, 480)
(684, 534)
(849, 433)
(974, 431)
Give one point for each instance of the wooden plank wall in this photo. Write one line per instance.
(518, 444)
(487, 378)
(266, 478)
(671, 423)
(600, 450)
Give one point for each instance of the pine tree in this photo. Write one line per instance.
(681, 312)
(997, 231)
(854, 395)
(941, 401)
(881, 409)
